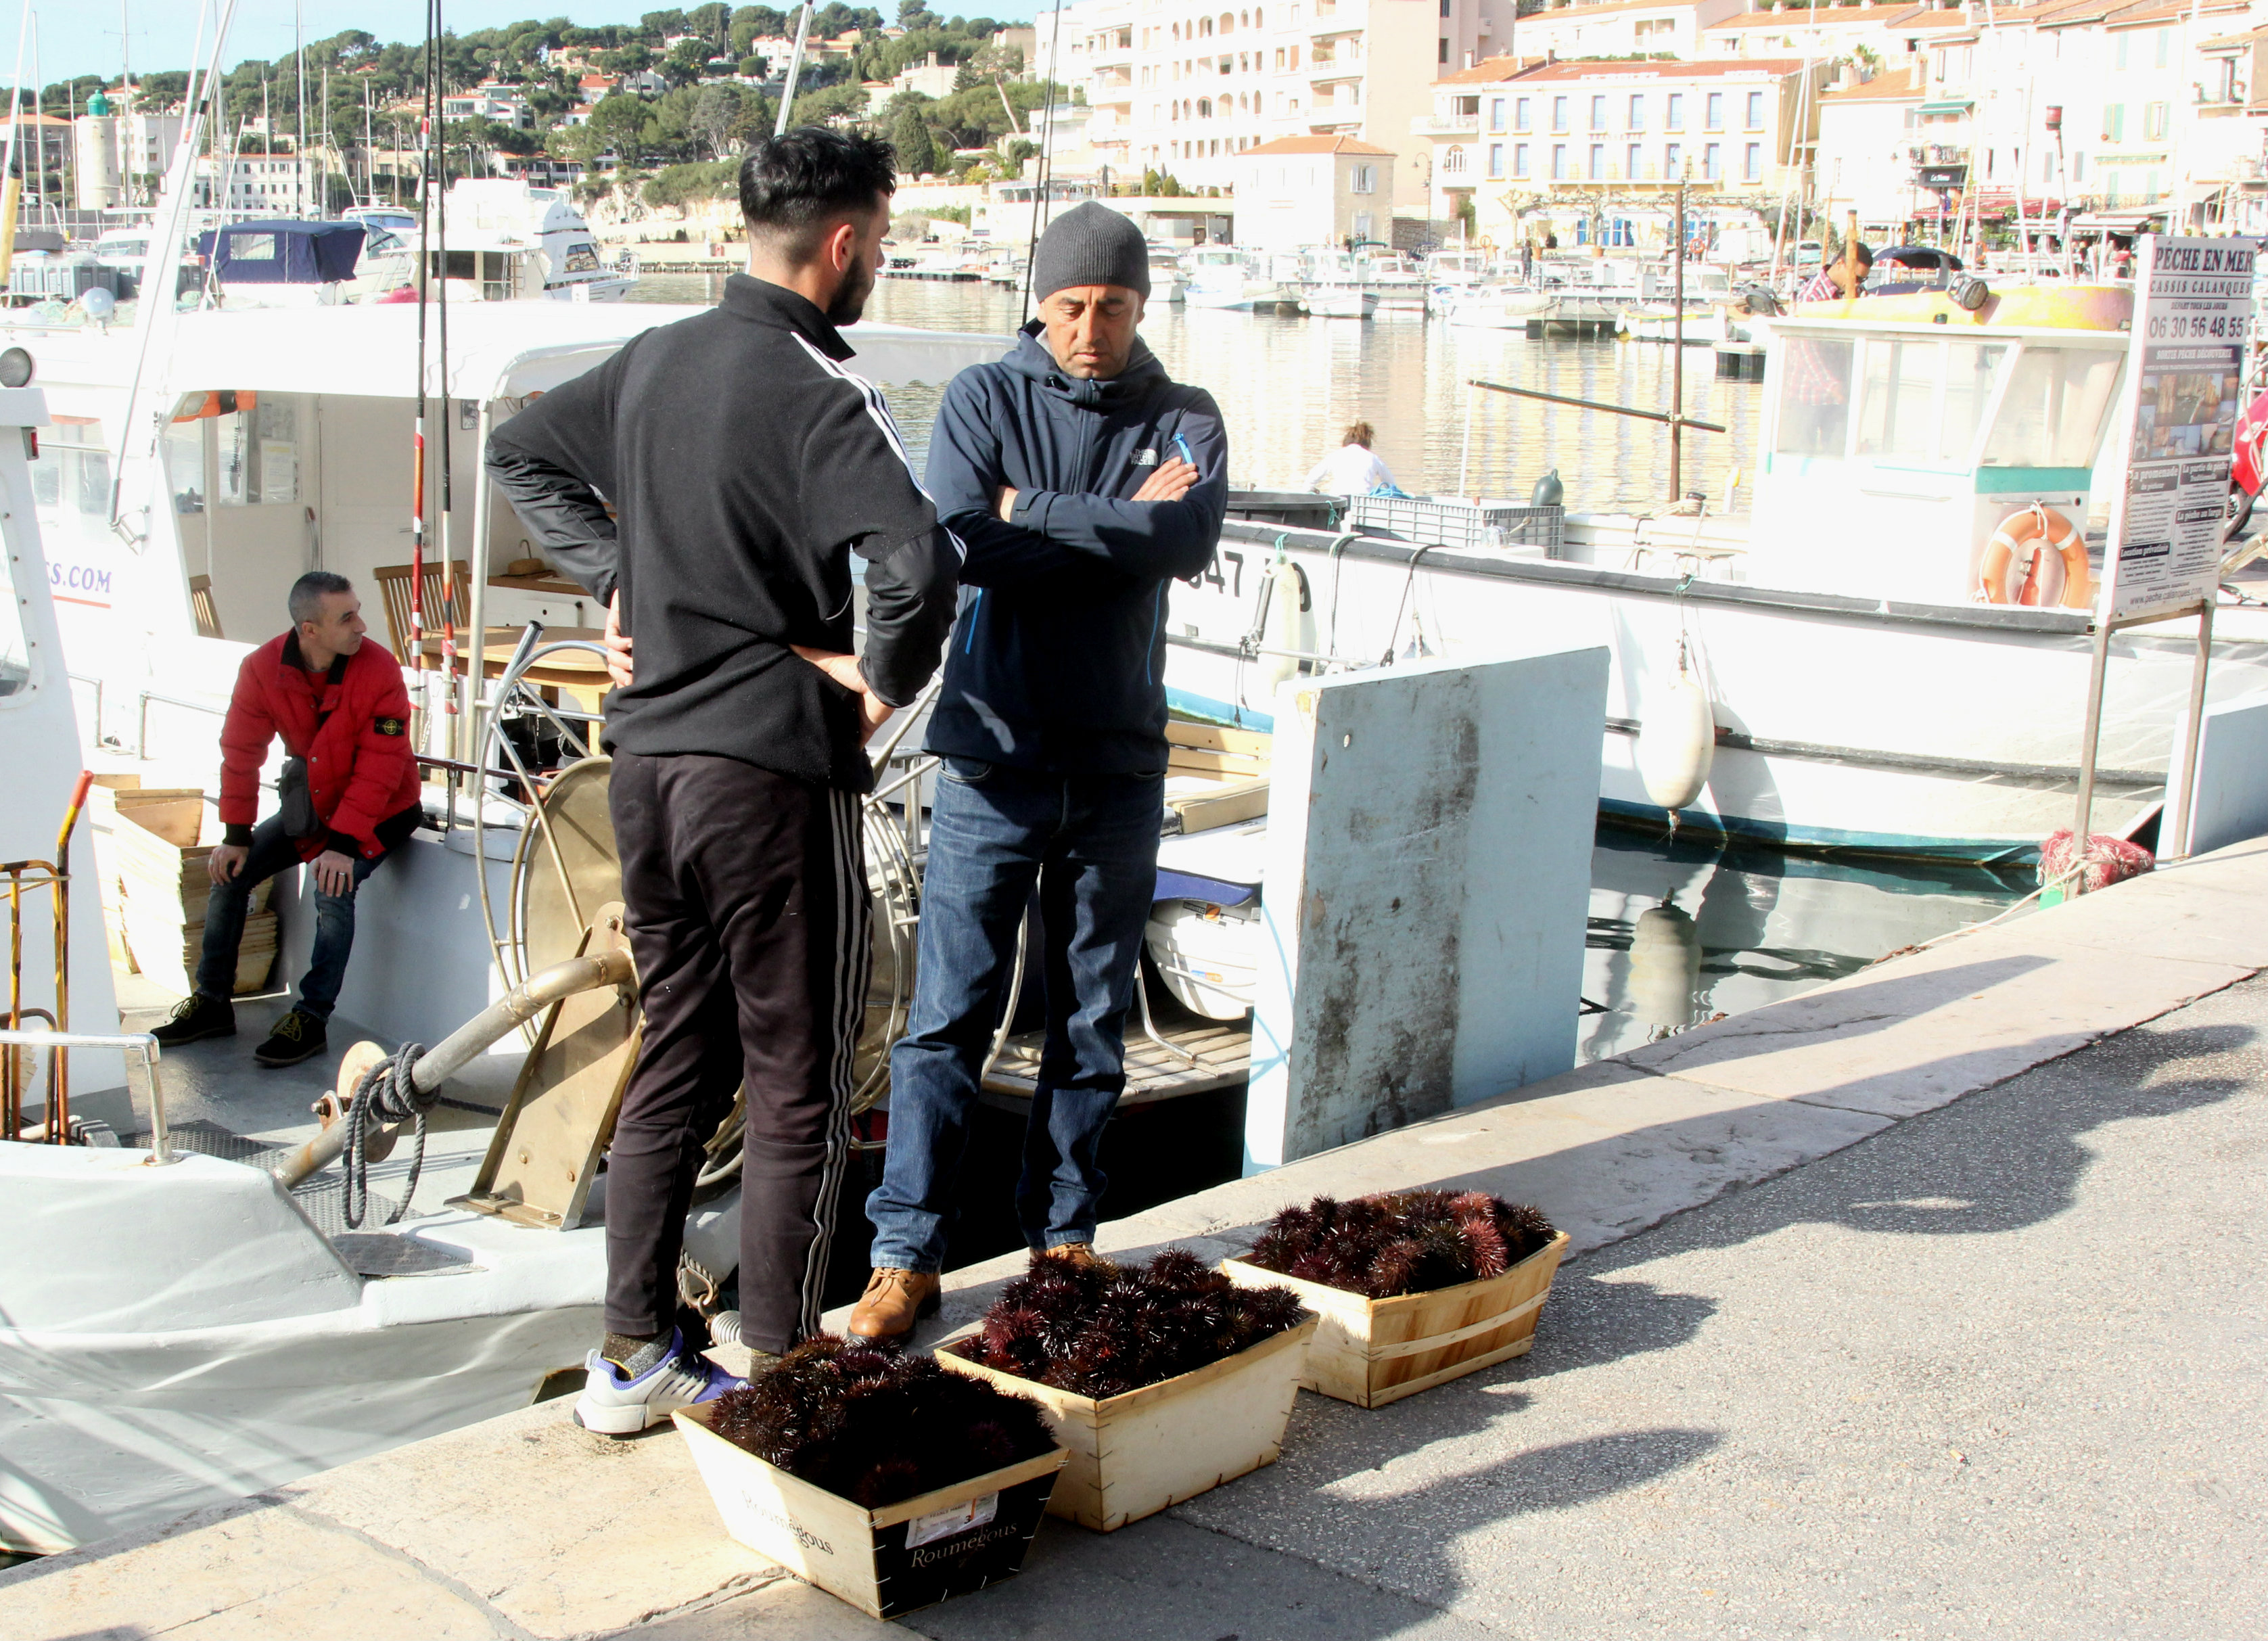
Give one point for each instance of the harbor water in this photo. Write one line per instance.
(1289, 386)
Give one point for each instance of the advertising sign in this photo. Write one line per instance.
(2185, 372)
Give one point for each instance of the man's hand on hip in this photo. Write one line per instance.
(618, 644)
(333, 872)
(1169, 482)
(873, 711)
(225, 861)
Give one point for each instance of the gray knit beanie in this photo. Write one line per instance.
(1090, 244)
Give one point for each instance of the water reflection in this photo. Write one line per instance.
(1680, 931)
(1287, 387)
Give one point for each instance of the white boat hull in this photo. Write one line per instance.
(1842, 726)
(1342, 304)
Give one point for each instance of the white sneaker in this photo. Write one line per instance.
(615, 1406)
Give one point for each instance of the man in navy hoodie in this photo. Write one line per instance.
(1081, 480)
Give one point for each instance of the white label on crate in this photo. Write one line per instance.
(959, 1519)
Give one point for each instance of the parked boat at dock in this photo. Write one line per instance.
(1869, 692)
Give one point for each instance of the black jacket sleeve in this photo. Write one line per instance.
(1159, 539)
(965, 473)
(554, 461)
(860, 492)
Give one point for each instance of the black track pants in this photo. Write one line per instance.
(750, 919)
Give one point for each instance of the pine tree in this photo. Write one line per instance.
(910, 136)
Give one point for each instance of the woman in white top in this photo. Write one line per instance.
(1351, 470)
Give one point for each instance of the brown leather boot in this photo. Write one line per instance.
(893, 1301)
(1079, 1255)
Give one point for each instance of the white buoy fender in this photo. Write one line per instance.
(1291, 622)
(1677, 741)
(1665, 968)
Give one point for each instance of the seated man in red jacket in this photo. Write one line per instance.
(340, 706)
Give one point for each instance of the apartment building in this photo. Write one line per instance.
(1187, 87)
(1506, 136)
(1313, 190)
(1620, 29)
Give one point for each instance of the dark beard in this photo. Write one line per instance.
(850, 296)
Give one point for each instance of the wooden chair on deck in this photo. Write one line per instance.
(393, 591)
(201, 605)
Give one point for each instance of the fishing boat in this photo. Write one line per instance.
(1498, 304)
(507, 241)
(196, 1331)
(1448, 275)
(1871, 685)
(1337, 285)
(1223, 277)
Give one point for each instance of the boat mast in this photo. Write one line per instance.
(449, 595)
(1041, 167)
(417, 434)
(299, 115)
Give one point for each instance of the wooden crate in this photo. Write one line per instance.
(887, 1562)
(1134, 1455)
(167, 952)
(1374, 1351)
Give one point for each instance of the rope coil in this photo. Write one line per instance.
(386, 1094)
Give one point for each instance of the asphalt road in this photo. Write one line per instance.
(2001, 1369)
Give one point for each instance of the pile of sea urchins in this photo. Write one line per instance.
(1402, 1241)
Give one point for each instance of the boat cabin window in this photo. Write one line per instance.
(73, 470)
(259, 453)
(1969, 369)
(1898, 402)
(1814, 396)
(582, 259)
(2056, 402)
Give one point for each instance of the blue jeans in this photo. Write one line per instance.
(1089, 842)
(272, 851)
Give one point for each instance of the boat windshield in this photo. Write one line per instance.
(1921, 399)
(2057, 403)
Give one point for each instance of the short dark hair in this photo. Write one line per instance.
(305, 599)
(1862, 253)
(801, 181)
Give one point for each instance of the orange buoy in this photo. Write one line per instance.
(2054, 570)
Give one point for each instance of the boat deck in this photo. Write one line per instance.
(1223, 1051)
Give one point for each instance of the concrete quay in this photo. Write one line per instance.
(1925, 1304)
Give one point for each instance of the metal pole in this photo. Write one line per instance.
(1594, 404)
(2173, 839)
(794, 68)
(476, 597)
(1465, 454)
(1678, 360)
(2083, 815)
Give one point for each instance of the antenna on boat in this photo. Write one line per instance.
(794, 68)
(1042, 172)
(424, 377)
(160, 266)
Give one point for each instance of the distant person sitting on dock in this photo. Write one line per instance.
(1084, 481)
(348, 795)
(1352, 470)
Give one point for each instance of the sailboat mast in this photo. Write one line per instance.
(299, 114)
(450, 601)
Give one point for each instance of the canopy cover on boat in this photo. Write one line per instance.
(283, 252)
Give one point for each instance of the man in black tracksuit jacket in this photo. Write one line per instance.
(1082, 481)
(745, 465)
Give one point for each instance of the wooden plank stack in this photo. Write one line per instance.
(1216, 776)
(160, 842)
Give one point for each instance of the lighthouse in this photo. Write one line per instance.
(99, 177)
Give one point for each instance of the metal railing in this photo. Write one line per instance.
(141, 1051)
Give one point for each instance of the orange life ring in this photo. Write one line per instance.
(2055, 572)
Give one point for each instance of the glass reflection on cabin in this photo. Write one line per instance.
(15, 651)
(2058, 400)
(1814, 396)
